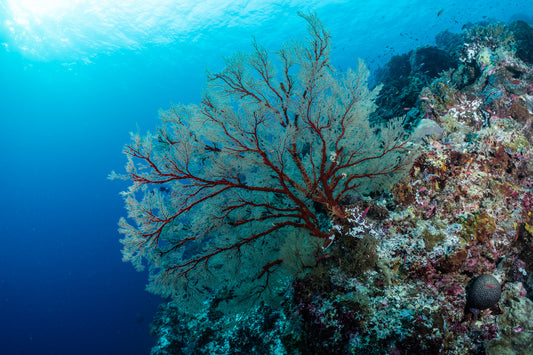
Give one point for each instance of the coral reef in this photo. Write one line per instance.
(404, 76)
(236, 194)
(515, 324)
(396, 279)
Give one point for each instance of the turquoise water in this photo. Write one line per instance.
(76, 78)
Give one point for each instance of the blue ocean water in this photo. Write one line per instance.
(76, 78)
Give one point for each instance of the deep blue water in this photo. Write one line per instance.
(75, 80)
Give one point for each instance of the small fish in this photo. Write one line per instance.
(440, 12)
(328, 242)
(424, 98)
(365, 212)
(431, 211)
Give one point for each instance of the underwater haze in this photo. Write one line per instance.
(76, 77)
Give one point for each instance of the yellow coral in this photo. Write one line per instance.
(529, 229)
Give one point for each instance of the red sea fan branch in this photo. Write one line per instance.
(264, 153)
